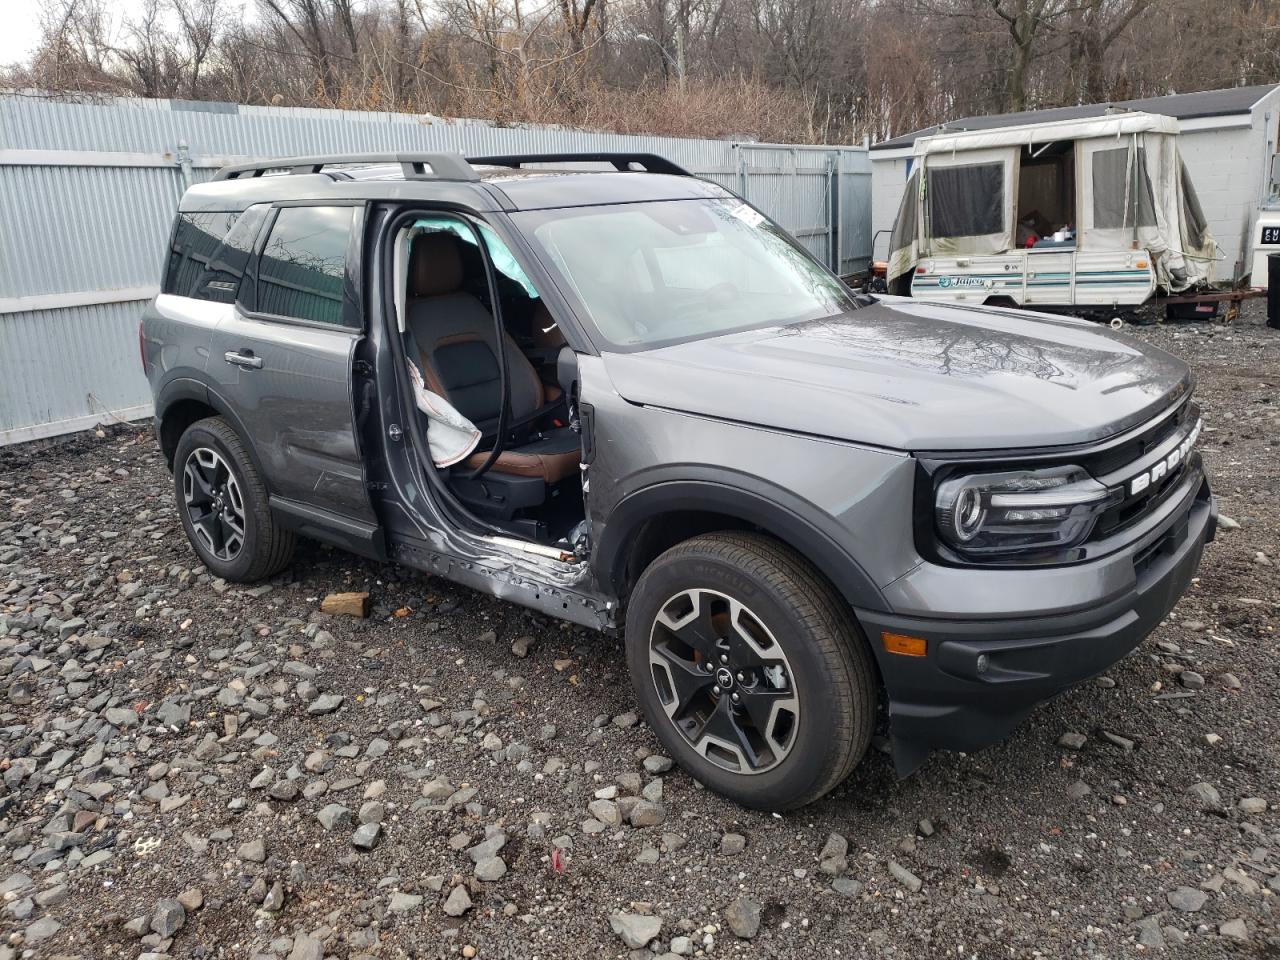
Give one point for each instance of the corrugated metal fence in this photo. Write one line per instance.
(88, 190)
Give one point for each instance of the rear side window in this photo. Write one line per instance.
(303, 265)
(221, 279)
(196, 238)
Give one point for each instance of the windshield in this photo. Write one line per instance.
(655, 273)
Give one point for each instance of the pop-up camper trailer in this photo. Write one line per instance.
(1094, 213)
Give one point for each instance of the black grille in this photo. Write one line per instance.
(1117, 466)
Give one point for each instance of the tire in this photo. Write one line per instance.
(211, 453)
(796, 660)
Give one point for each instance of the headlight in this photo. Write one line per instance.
(988, 516)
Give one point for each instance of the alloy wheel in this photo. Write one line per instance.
(724, 681)
(214, 503)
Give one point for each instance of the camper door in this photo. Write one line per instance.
(968, 202)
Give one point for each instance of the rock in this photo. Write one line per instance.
(273, 902)
(1079, 790)
(646, 814)
(905, 876)
(405, 902)
(334, 815)
(41, 930)
(846, 886)
(367, 836)
(681, 946)
(458, 903)
(1206, 794)
(732, 844)
(491, 869)
(1230, 681)
(121, 717)
(1235, 930)
(834, 858)
(1191, 680)
(346, 604)
(254, 851)
(168, 917)
(656, 763)
(635, 929)
(1252, 805)
(1124, 743)
(1149, 934)
(325, 703)
(306, 947)
(743, 917)
(1187, 899)
(520, 646)
(1073, 741)
(192, 899)
(1227, 523)
(606, 811)
(624, 720)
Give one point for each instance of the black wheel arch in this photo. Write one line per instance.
(646, 522)
(184, 401)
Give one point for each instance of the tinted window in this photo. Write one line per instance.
(220, 279)
(966, 201)
(196, 237)
(304, 262)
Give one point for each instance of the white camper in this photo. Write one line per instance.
(1094, 213)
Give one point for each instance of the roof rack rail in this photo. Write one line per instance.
(416, 166)
(651, 162)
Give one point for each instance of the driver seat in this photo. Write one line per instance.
(451, 333)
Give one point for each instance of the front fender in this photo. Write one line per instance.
(774, 510)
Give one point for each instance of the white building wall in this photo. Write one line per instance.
(888, 180)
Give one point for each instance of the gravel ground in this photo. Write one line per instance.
(195, 769)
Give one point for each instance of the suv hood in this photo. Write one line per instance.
(910, 375)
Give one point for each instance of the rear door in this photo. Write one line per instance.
(283, 360)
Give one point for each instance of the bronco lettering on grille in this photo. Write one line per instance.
(1166, 466)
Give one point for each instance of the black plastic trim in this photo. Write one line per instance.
(773, 511)
(362, 538)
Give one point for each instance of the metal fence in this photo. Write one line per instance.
(88, 190)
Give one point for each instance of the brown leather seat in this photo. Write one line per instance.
(454, 337)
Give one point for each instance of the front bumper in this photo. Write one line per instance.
(982, 677)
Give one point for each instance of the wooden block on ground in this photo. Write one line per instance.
(347, 604)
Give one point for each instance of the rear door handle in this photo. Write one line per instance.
(246, 360)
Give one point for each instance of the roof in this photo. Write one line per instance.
(1180, 106)
(1026, 134)
(494, 189)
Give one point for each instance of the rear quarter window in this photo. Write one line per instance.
(196, 238)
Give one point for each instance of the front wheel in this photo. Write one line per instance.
(750, 670)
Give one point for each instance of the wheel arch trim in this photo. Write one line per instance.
(185, 388)
(774, 511)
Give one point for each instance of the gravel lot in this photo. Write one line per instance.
(191, 768)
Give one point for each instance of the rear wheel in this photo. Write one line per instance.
(222, 502)
(749, 669)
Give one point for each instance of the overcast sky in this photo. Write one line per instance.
(20, 25)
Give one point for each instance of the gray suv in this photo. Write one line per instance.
(616, 393)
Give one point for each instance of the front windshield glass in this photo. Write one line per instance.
(654, 273)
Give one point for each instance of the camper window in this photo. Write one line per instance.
(966, 201)
(1115, 204)
(1046, 192)
(904, 225)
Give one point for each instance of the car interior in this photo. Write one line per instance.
(532, 488)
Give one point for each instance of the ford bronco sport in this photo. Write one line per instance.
(624, 397)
